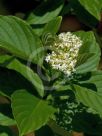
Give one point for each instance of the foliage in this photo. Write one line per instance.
(38, 95)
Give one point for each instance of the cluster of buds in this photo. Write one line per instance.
(65, 115)
(64, 53)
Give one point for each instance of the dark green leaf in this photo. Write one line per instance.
(12, 63)
(45, 131)
(5, 131)
(11, 81)
(87, 11)
(66, 9)
(45, 12)
(93, 7)
(88, 123)
(95, 79)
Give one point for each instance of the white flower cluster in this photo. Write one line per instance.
(64, 55)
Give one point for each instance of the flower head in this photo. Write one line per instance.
(64, 53)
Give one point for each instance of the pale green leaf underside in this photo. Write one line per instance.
(30, 112)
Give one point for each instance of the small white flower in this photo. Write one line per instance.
(64, 58)
(48, 58)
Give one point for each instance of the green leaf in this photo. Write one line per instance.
(89, 98)
(49, 34)
(66, 9)
(6, 121)
(82, 58)
(55, 24)
(89, 47)
(87, 11)
(44, 131)
(11, 81)
(3, 134)
(14, 64)
(30, 112)
(43, 29)
(38, 29)
(93, 7)
(45, 12)
(62, 87)
(18, 38)
(95, 79)
(5, 131)
(57, 129)
(84, 122)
